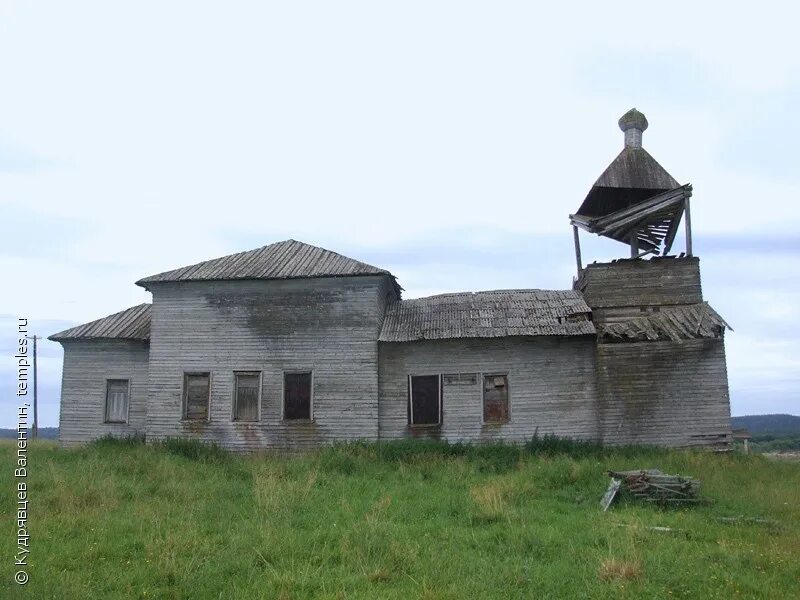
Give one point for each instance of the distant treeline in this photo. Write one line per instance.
(768, 424)
(46, 433)
(775, 442)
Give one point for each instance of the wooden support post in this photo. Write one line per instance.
(35, 396)
(577, 248)
(35, 428)
(688, 228)
(635, 244)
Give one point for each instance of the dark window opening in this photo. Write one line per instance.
(245, 396)
(297, 395)
(116, 401)
(495, 398)
(196, 391)
(425, 400)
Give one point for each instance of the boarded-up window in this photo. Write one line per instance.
(245, 396)
(196, 390)
(495, 398)
(117, 401)
(297, 395)
(425, 400)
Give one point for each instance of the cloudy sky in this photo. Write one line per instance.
(445, 141)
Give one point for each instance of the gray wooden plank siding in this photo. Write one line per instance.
(551, 382)
(326, 325)
(626, 283)
(664, 393)
(87, 366)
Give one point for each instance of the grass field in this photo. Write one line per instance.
(125, 520)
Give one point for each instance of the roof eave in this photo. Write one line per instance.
(147, 281)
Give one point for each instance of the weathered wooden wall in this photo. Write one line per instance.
(664, 393)
(551, 382)
(327, 325)
(658, 392)
(611, 288)
(87, 366)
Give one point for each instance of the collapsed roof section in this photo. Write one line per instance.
(645, 225)
(674, 323)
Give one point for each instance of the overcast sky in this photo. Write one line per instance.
(444, 141)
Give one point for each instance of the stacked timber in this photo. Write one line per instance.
(655, 486)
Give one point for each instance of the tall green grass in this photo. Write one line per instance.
(179, 519)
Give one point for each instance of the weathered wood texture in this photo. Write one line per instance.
(611, 287)
(551, 383)
(326, 325)
(87, 366)
(664, 393)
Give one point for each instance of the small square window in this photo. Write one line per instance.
(495, 399)
(297, 392)
(196, 393)
(425, 400)
(245, 396)
(117, 401)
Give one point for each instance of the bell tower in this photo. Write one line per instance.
(660, 359)
(635, 201)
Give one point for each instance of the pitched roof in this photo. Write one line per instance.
(632, 177)
(499, 313)
(130, 324)
(289, 259)
(636, 168)
(674, 323)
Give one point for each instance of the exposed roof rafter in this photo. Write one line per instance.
(654, 222)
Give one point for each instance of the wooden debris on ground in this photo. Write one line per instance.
(652, 486)
(610, 494)
(648, 527)
(747, 520)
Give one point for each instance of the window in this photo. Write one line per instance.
(245, 396)
(297, 396)
(425, 400)
(196, 391)
(495, 398)
(117, 401)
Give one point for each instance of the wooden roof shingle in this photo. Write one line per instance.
(490, 314)
(675, 323)
(129, 324)
(289, 259)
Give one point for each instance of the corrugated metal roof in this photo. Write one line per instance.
(500, 313)
(130, 324)
(676, 323)
(289, 259)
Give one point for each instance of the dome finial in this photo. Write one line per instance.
(633, 123)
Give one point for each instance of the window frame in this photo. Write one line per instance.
(310, 418)
(410, 407)
(185, 397)
(483, 397)
(235, 396)
(106, 420)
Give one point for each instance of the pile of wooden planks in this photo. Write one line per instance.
(652, 486)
